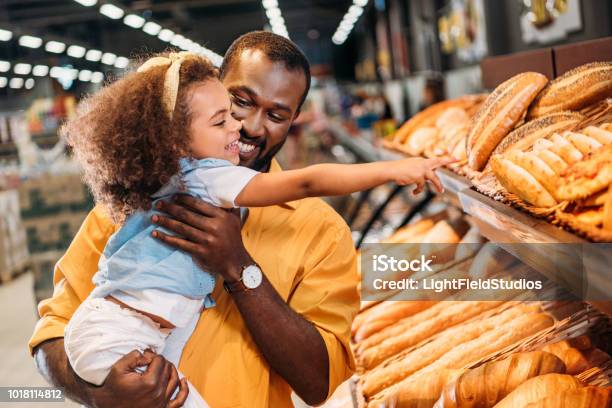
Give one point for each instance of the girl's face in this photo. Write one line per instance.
(214, 131)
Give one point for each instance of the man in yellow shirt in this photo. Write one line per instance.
(288, 332)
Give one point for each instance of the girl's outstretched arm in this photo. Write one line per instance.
(337, 179)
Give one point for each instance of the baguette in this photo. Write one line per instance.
(575, 89)
(554, 162)
(492, 341)
(454, 315)
(565, 149)
(538, 388)
(570, 351)
(585, 144)
(586, 397)
(403, 326)
(524, 136)
(499, 114)
(395, 371)
(587, 177)
(601, 135)
(466, 353)
(484, 386)
(421, 139)
(519, 181)
(387, 314)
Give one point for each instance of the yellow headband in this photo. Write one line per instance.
(172, 79)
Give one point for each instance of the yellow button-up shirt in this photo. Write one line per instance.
(306, 252)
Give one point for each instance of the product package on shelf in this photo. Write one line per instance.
(53, 206)
(14, 255)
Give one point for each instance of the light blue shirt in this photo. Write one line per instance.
(134, 261)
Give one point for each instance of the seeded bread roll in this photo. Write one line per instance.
(575, 89)
(523, 137)
(500, 112)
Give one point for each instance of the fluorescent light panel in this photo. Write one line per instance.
(3, 82)
(40, 70)
(5, 66)
(29, 83)
(55, 47)
(30, 41)
(109, 58)
(133, 21)
(87, 3)
(5, 35)
(22, 69)
(16, 83)
(151, 28)
(111, 11)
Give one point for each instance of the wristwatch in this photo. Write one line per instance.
(251, 277)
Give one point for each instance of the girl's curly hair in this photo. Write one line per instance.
(125, 141)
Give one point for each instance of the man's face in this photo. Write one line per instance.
(266, 97)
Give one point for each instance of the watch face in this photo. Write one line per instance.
(251, 277)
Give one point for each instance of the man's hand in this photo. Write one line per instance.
(290, 344)
(123, 387)
(210, 234)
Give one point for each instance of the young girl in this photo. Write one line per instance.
(162, 130)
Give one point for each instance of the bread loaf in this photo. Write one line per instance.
(586, 397)
(538, 388)
(565, 149)
(403, 326)
(523, 137)
(570, 351)
(519, 181)
(484, 386)
(585, 144)
(455, 314)
(575, 89)
(600, 134)
(397, 370)
(387, 314)
(537, 168)
(421, 394)
(587, 177)
(554, 162)
(499, 114)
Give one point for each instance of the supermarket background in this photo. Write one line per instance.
(375, 64)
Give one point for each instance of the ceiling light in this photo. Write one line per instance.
(166, 35)
(5, 35)
(29, 83)
(3, 82)
(268, 4)
(133, 21)
(273, 13)
(30, 41)
(177, 40)
(350, 18)
(87, 3)
(97, 77)
(93, 55)
(4, 66)
(85, 75)
(76, 51)
(40, 70)
(122, 62)
(361, 3)
(355, 11)
(56, 72)
(111, 11)
(151, 28)
(109, 58)
(346, 26)
(56, 47)
(16, 83)
(22, 69)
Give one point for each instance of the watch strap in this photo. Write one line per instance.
(235, 287)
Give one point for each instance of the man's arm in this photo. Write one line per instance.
(291, 344)
(124, 387)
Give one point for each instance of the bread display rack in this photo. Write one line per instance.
(513, 353)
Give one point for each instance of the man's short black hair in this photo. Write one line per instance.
(277, 48)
